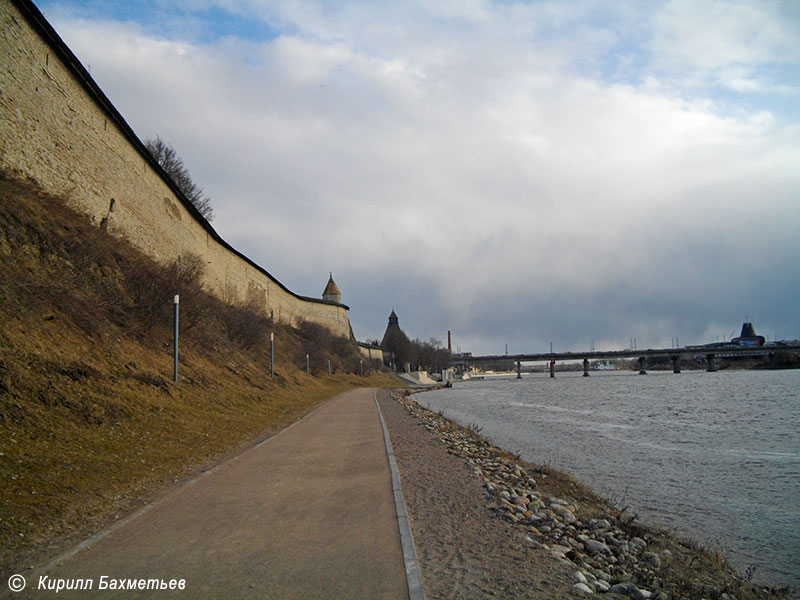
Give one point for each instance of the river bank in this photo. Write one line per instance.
(555, 536)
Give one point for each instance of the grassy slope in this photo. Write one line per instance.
(91, 426)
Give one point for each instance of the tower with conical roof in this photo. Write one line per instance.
(395, 343)
(332, 293)
(392, 332)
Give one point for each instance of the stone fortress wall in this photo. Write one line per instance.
(59, 129)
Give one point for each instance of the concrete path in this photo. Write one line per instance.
(307, 514)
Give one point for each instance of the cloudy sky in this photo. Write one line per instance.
(520, 173)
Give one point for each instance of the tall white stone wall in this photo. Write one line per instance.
(57, 128)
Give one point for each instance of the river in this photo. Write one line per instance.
(710, 456)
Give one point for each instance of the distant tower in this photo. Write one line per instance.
(332, 293)
(392, 332)
(395, 344)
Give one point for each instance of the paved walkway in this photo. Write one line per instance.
(307, 514)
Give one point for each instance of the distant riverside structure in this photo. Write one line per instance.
(748, 337)
(395, 343)
(332, 293)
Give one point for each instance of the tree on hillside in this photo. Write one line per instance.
(169, 160)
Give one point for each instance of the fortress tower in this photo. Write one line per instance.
(392, 332)
(395, 344)
(332, 293)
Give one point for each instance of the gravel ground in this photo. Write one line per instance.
(465, 548)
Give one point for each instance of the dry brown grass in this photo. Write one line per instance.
(91, 425)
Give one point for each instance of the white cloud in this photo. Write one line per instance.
(727, 42)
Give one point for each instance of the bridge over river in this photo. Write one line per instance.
(710, 353)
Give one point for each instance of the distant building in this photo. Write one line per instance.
(748, 337)
(396, 345)
(332, 293)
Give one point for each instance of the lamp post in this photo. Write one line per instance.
(176, 302)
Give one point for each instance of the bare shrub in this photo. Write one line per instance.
(185, 275)
(148, 295)
(245, 325)
(151, 289)
(321, 346)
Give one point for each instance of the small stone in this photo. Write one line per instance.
(609, 539)
(628, 589)
(593, 547)
(580, 577)
(572, 555)
(563, 512)
(604, 576)
(652, 559)
(582, 587)
(602, 586)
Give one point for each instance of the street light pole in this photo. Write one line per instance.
(176, 302)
